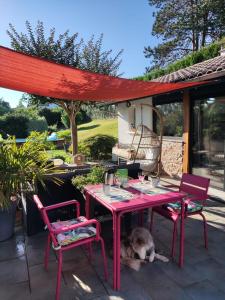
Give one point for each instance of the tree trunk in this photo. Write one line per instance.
(74, 139)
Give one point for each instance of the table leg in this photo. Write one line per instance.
(87, 205)
(114, 251)
(118, 250)
(181, 259)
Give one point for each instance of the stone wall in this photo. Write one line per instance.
(172, 156)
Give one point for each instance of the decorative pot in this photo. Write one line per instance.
(7, 221)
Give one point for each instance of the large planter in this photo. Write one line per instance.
(7, 221)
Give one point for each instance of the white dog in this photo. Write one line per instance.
(135, 249)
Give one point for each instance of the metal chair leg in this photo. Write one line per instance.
(205, 230)
(174, 239)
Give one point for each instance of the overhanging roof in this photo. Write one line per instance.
(33, 75)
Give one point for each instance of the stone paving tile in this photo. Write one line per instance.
(158, 285)
(84, 282)
(37, 240)
(13, 271)
(43, 282)
(75, 254)
(204, 290)
(35, 255)
(12, 248)
(182, 276)
(18, 291)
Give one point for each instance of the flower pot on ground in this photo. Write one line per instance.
(7, 221)
(20, 168)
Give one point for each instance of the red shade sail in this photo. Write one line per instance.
(41, 77)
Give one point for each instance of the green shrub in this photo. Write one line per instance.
(41, 140)
(95, 176)
(37, 124)
(60, 154)
(52, 116)
(97, 147)
(15, 125)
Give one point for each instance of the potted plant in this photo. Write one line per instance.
(20, 167)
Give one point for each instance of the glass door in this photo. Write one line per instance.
(208, 147)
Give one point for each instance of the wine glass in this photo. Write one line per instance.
(141, 176)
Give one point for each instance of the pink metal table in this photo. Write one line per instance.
(139, 201)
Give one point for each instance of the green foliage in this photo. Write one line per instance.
(4, 107)
(52, 116)
(60, 154)
(101, 111)
(40, 139)
(65, 120)
(214, 120)
(81, 118)
(64, 134)
(15, 125)
(95, 176)
(97, 147)
(184, 27)
(172, 119)
(21, 121)
(203, 54)
(20, 165)
(52, 128)
(37, 124)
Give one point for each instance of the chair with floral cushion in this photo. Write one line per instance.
(65, 235)
(196, 188)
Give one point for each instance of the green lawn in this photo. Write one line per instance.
(87, 130)
(95, 127)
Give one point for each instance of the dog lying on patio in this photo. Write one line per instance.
(139, 248)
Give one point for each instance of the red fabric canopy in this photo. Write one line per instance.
(39, 76)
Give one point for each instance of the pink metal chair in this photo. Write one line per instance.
(196, 188)
(66, 235)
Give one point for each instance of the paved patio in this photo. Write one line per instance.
(22, 274)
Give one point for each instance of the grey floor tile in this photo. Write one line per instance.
(83, 279)
(204, 290)
(13, 271)
(42, 281)
(18, 291)
(158, 285)
(35, 254)
(11, 249)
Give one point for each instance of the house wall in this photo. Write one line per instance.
(172, 156)
(125, 118)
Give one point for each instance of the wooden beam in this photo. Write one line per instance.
(186, 131)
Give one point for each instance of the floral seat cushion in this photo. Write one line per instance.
(70, 236)
(176, 207)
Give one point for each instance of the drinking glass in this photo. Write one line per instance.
(141, 177)
(106, 189)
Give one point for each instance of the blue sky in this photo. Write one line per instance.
(125, 24)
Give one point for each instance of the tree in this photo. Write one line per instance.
(4, 107)
(184, 26)
(69, 50)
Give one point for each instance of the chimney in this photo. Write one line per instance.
(222, 50)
